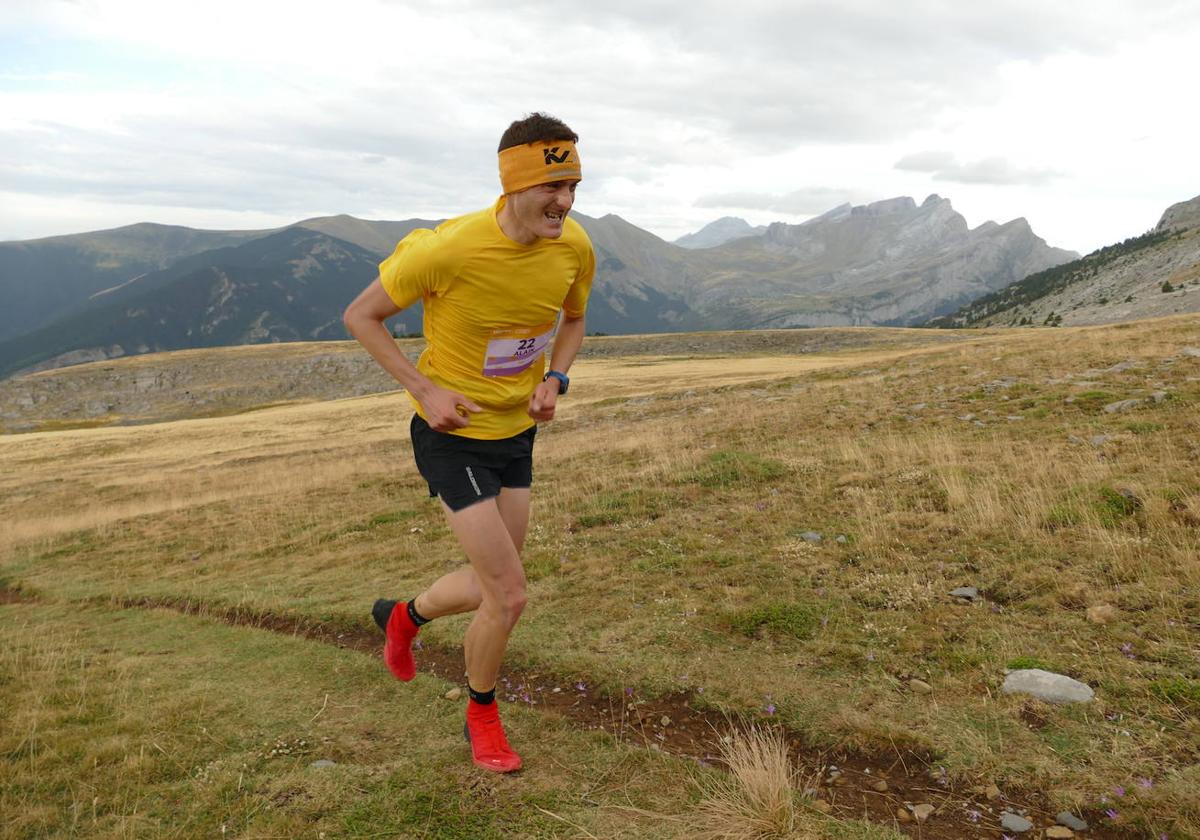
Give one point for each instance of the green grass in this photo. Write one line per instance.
(798, 621)
(1023, 662)
(1180, 692)
(732, 468)
(159, 724)
(611, 508)
(1092, 401)
(1104, 505)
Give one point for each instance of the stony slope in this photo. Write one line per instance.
(1157, 273)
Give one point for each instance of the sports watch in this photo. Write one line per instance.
(563, 381)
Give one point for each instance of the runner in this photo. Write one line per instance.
(493, 284)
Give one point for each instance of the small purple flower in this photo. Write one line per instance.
(770, 708)
(629, 691)
(1145, 784)
(974, 815)
(581, 686)
(1119, 791)
(1111, 814)
(1127, 650)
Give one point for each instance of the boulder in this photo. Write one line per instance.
(1053, 688)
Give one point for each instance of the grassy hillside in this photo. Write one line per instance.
(286, 286)
(43, 280)
(777, 544)
(995, 306)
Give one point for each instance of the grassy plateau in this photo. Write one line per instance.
(773, 536)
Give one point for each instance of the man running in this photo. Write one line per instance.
(493, 284)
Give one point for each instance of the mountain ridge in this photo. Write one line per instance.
(891, 262)
(724, 229)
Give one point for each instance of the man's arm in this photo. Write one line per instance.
(567, 342)
(364, 319)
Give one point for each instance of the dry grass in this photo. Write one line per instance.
(759, 797)
(678, 501)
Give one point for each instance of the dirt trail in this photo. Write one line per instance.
(676, 724)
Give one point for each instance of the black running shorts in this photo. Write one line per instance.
(463, 471)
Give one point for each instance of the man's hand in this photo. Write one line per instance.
(446, 410)
(543, 400)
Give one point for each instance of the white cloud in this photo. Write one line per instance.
(806, 202)
(994, 170)
(393, 109)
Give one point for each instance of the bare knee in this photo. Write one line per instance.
(507, 605)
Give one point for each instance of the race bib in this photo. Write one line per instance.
(513, 349)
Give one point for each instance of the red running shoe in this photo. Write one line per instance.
(489, 747)
(399, 632)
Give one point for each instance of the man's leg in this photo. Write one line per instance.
(514, 510)
(484, 536)
(483, 533)
(458, 591)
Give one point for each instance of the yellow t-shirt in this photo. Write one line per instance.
(490, 309)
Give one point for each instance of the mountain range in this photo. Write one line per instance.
(154, 287)
(724, 229)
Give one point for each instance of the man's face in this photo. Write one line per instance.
(541, 210)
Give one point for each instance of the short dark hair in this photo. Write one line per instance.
(534, 128)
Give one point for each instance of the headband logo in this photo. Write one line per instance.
(552, 155)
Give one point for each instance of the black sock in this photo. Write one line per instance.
(416, 617)
(483, 698)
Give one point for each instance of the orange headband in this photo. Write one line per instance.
(528, 165)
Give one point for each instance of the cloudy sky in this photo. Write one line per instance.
(1080, 117)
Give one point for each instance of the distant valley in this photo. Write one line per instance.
(147, 287)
